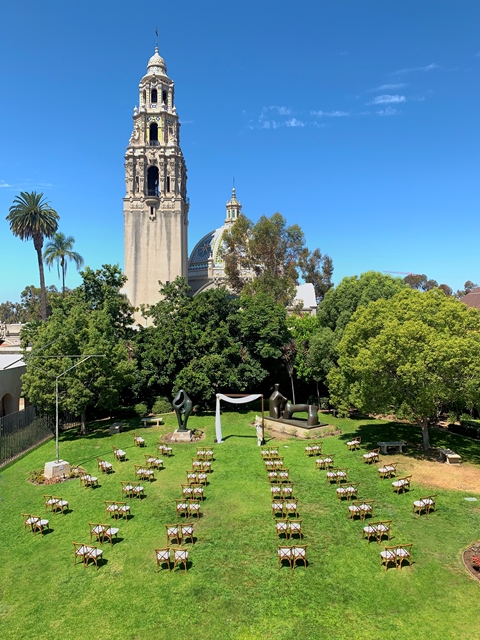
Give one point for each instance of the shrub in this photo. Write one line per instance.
(141, 409)
(452, 417)
(36, 476)
(161, 405)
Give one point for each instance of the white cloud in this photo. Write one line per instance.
(330, 114)
(389, 111)
(390, 87)
(5, 185)
(388, 99)
(282, 111)
(293, 122)
(428, 67)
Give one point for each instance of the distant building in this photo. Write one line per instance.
(472, 299)
(11, 369)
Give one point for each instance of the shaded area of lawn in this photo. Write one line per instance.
(233, 589)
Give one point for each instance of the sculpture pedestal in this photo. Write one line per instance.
(182, 436)
(56, 469)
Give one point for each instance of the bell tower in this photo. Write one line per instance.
(156, 206)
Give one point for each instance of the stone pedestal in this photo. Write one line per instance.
(56, 469)
(182, 436)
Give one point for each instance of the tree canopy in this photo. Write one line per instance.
(208, 343)
(412, 355)
(275, 254)
(60, 250)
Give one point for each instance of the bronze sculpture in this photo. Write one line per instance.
(183, 408)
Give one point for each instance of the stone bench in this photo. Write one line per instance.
(158, 420)
(396, 446)
(116, 427)
(450, 457)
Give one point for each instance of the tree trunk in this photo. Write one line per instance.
(62, 265)
(83, 423)
(318, 395)
(38, 244)
(293, 389)
(425, 435)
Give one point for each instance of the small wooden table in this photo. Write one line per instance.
(397, 446)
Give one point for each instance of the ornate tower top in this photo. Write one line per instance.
(156, 64)
(234, 209)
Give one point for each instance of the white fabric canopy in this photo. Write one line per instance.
(220, 396)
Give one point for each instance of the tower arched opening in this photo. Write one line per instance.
(153, 134)
(152, 182)
(154, 96)
(7, 405)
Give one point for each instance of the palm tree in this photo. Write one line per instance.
(60, 250)
(31, 217)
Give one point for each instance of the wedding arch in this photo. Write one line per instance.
(234, 398)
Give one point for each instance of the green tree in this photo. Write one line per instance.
(75, 328)
(32, 218)
(336, 310)
(273, 253)
(60, 250)
(208, 343)
(412, 355)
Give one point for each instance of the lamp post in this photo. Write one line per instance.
(57, 457)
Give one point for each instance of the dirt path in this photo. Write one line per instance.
(464, 477)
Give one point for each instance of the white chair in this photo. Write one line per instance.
(284, 554)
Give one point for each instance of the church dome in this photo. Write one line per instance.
(206, 249)
(156, 64)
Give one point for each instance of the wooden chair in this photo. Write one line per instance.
(132, 489)
(337, 475)
(283, 475)
(281, 528)
(207, 466)
(272, 475)
(138, 441)
(403, 553)
(209, 454)
(284, 554)
(402, 484)
(173, 533)
(396, 554)
(276, 491)
(163, 557)
(165, 450)
(59, 505)
(89, 481)
(181, 508)
(187, 533)
(277, 508)
(313, 449)
(142, 473)
(180, 556)
(277, 463)
(192, 477)
(360, 508)
(110, 533)
(104, 466)
(354, 444)
(295, 529)
(387, 471)
(96, 531)
(387, 556)
(287, 491)
(153, 462)
(299, 554)
(290, 506)
(426, 504)
(348, 491)
(377, 530)
(202, 478)
(371, 456)
(187, 490)
(198, 492)
(119, 454)
(50, 503)
(197, 464)
(193, 508)
(324, 462)
(35, 523)
(86, 552)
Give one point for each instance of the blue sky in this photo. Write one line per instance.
(357, 119)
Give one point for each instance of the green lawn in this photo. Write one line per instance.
(233, 588)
